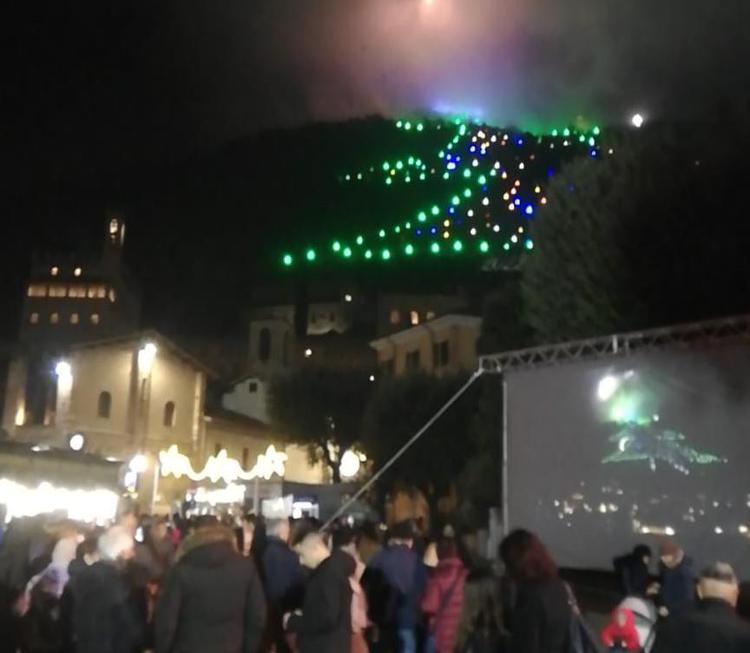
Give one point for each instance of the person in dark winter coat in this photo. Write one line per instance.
(104, 619)
(443, 599)
(540, 616)
(405, 575)
(677, 580)
(325, 623)
(712, 624)
(212, 600)
(633, 571)
(284, 581)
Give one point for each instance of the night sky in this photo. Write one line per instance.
(157, 107)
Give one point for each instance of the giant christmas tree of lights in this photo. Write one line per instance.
(492, 185)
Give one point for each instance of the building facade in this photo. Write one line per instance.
(445, 345)
(72, 298)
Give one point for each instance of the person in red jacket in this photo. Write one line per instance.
(443, 600)
(621, 631)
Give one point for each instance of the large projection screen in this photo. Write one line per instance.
(608, 453)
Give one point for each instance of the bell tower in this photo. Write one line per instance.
(114, 238)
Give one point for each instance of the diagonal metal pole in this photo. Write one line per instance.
(404, 448)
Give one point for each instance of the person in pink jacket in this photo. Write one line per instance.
(345, 539)
(443, 600)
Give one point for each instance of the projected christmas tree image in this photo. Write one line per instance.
(488, 188)
(639, 435)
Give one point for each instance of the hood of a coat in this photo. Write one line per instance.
(208, 547)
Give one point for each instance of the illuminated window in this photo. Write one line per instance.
(104, 405)
(264, 345)
(169, 414)
(54, 271)
(112, 295)
(94, 318)
(97, 292)
(58, 291)
(414, 318)
(37, 290)
(74, 318)
(54, 318)
(77, 272)
(34, 318)
(430, 315)
(395, 317)
(77, 291)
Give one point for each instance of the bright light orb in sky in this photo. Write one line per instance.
(637, 120)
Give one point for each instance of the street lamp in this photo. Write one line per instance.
(76, 441)
(146, 356)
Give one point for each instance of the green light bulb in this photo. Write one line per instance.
(467, 193)
(566, 132)
(359, 176)
(409, 249)
(397, 229)
(435, 210)
(506, 247)
(348, 177)
(554, 132)
(592, 141)
(446, 175)
(407, 125)
(457, 246)
(368, 254)
(388, 181)
(347, 252)
(399, 124)
(386, 166)
(597, 131)
(336, 246)
(411, 160)
(484, 247)
(381, 233)
(462, 130)
(287, 260)
(386, 254)
(399, 165)
(310, 255)
(581, 139)
(482, 180)
(435, 248)
(360, 240)
(529, 244)
(408, 180)
(455, 200)
(420, 127)
(422, 176)
(421, 216)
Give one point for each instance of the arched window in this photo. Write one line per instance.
(169, 414)
(104, 405)
(264, 345)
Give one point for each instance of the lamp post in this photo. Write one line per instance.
(64, 373)
(147, 484)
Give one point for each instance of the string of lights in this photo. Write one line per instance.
(491, 183)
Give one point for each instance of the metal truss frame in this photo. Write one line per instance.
(684, 335)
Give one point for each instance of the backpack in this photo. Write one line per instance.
(580, 637)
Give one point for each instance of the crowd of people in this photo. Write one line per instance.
(207, 586)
